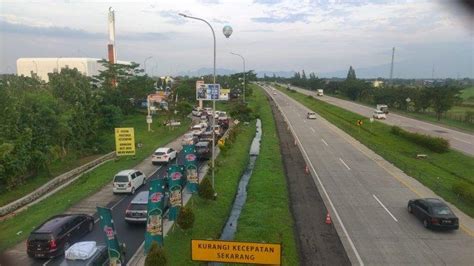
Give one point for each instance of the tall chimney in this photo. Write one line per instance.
(111, 46)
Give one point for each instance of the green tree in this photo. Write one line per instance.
(205, 189)
(351, 75)
(156, 256)
(185, 218)
(443, 98)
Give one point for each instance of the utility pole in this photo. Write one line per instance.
(391, 66)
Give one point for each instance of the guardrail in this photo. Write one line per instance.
(50, 186)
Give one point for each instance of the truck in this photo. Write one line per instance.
(320, 92)
(383, 108)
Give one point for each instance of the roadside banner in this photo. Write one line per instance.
(107, 226)
(190, 164)
(125, 141)
(208, 92)
(235, 252)
(175, 182)
(154, 222)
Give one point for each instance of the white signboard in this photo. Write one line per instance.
(208, 92)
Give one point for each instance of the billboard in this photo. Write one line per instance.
(208, 92)
(124, 141)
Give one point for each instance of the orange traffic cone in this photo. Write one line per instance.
(328, 219)
(306, 169)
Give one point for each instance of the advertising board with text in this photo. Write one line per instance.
(235, 252)
(208, 92)
(124, 141)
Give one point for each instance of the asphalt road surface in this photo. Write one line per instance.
(367, 203)
(460, 141)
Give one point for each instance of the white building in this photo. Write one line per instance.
(43, 66)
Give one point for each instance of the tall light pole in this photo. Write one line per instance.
(243, 60)
(213, 101)
(144, 63)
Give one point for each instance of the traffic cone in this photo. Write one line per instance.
(306, 169)
(328, 219)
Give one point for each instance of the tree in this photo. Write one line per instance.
(443, 98)
(351, 75)
(156, 256)
(185, 218)
(205, 190)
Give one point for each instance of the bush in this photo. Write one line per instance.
(435, 144)
(205, 190)
(156, 255)
(465, 191)
(185, 218)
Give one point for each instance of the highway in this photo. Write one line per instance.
(366, 201)
(460, 141)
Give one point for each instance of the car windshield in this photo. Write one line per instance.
(40, 236)
(138, 207)
(159, 153)
(121, 178)
(441, 210)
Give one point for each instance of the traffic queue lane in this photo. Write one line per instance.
(367, 203)
(132, 235)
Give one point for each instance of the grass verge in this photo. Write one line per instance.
(439, 172)
(89, 183)
(266, 216)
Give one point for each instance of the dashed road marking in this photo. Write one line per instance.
(312, 129)
(385, 208)
(342, 161)
(325, 143)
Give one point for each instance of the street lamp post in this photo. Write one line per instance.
(144, 63)
(243, 60)
(213, 101)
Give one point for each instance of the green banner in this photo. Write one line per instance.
(107, 226)
(154, 222)
(190, 164)
(175, 183)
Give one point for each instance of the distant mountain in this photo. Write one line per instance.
(285, 74)
(206, 71)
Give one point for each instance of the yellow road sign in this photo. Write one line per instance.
(124, 141)
(235, 252)
(359, 122)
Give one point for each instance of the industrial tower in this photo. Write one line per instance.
(391, 66)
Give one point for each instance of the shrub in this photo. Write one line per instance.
(435, 144)
(156, 255)
(465, 191)
(185, 218)
(205, 190)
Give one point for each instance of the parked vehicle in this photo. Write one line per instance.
(204, 150)
(320, 92)
(433, 213)
(86, 253)
(311, 115)
(57, 234)
(383, 108)
(128, 181)
(379, 115)
(163, 155)
(137, 211)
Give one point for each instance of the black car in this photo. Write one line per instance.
(433, 213)
(204, 150)
(54, 236)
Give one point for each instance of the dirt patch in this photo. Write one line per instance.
(318, 242)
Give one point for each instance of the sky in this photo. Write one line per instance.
(432, 38)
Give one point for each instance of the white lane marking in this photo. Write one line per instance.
(46, 263)
(312, 129)
(349, 239)
(325, 143)
(462, 140)
(383, 206)
(342, 161)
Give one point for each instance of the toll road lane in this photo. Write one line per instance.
(461, 141)
(376, 236)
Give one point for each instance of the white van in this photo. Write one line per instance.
(379, 114)
(127, 181)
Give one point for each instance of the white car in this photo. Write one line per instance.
(163, 155)
(127, 181)
(379, 115)
(196, 111)
(199, 129)
(311, 115)
(189, 139)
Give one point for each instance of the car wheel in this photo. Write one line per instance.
(90, 227)
(425, 223)
(144, 181)
(133, 190)
(409, 208)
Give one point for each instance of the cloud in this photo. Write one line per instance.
(257, 30)
(172, 16)
(210, 2)
(52, 31)
(267, 2)
(290, 18)
(219, 21)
